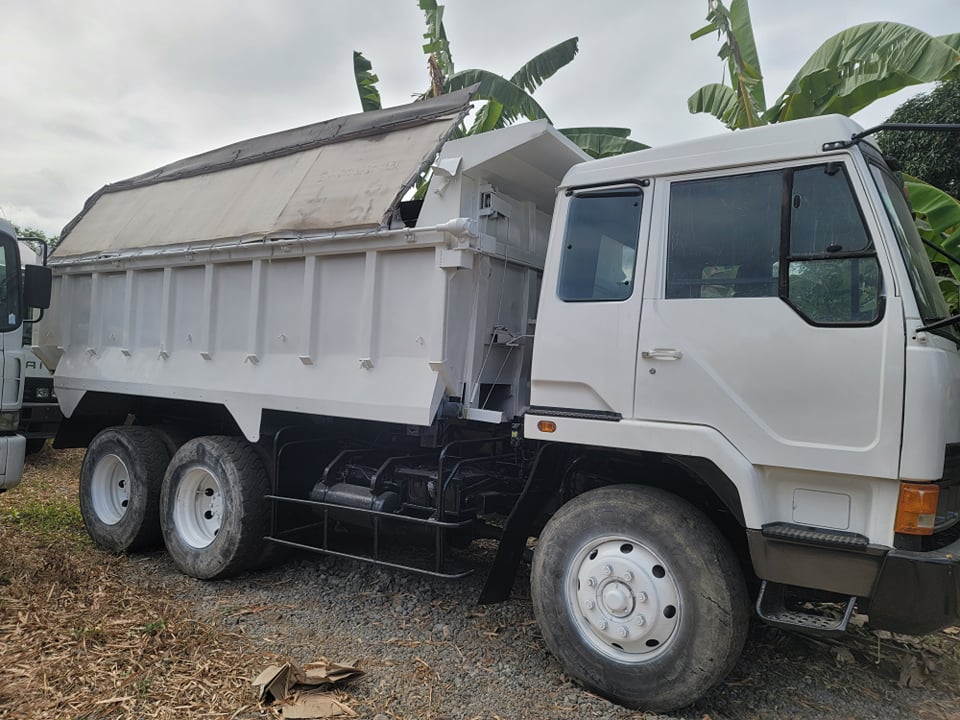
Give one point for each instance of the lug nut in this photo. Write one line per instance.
(641, 620)
(641, 597)
(622, 632)
(607, 571)
(592, 581)
(628, 576)
(590, 604)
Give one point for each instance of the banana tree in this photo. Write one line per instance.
(505, 99)
(938, 221)
(847, 72)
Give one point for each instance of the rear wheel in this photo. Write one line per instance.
(120, 488)
(213, 513)
(639, 596)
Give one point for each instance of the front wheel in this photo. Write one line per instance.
(639, 597)
(212, 508)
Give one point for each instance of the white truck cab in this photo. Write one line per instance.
(759, 300)
(675, 369)
(15, 297)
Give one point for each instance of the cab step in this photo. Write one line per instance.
(772, 609)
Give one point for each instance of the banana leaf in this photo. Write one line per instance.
(937, 213)
(718, 100)
(739, 50)
(544, 65)
(515, 100)
(366, 82)
(531, 76)
(860, 65)
(600, 142)
(436, 36)
(952, 41)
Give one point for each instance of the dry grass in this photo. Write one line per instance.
(78, 641)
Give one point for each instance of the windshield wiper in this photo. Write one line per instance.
(922, 127)
(945, 322)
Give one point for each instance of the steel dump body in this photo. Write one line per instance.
(287, 280)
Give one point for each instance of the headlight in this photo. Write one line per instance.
(9, 421)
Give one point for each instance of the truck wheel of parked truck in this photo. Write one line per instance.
(675, 373)
(212, 511)
(639, 596)
(120, 488)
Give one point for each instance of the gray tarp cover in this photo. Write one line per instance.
(349, 172)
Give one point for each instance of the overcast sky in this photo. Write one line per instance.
(99, 90)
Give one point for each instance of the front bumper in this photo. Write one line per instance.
(917, 592)
(12, 450)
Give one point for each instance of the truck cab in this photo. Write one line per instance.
(761, 301)
(14, 298)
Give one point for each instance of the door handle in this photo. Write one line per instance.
(661, 354)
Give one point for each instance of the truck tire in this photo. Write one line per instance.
(173, 437)
(639, 597)
(212, 511)
(120, 488)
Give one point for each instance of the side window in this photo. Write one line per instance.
(795, 233)
(724, 236)
(600, 245)
(834, 277)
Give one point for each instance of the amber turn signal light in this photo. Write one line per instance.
(547, 426)
(917, 508)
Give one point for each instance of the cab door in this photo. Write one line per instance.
(766, 317)
(585, 351)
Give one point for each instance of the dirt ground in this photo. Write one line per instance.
(84, 634)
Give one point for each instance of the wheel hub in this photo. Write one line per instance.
(110, 489)
(617, 599)
(198, 509)
(623, 598)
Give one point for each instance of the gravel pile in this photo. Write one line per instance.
(431, 652)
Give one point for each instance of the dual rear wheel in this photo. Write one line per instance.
(203, 500)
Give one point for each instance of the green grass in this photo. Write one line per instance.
(52, 519)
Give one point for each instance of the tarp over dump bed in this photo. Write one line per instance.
(346, 173)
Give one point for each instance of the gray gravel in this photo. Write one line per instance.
(431, 652)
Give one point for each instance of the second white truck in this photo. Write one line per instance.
(705, 377)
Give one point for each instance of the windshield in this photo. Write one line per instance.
(9, 283)
(930, 300)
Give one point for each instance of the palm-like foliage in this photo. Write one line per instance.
(938, 220)
(506, 99)
(366, 82)
(741, 103)
(846, 73)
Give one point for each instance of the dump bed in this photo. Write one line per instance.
(287, 273)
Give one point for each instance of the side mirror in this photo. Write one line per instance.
(37, 284)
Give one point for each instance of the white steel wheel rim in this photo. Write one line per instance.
(110, 489)
(198, 507)
(623, 599)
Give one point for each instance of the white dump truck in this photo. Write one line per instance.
(705, 377)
